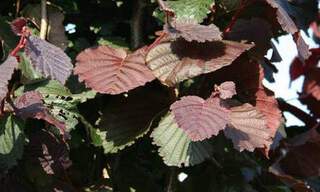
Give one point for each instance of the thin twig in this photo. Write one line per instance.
(18, 5)
(44, 20)
(137, 24)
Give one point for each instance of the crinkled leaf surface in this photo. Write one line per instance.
(127, 118)
(248, 129)
(112, 71)
(29, 74)
(226, 90)
(200, 118)
(173, 62)
(6, 71)
(12, 141)
(48, 59)
(190, 30)
(176, 148)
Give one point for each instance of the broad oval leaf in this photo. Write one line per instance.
(173, 62)
(190, 30)
(48, 59)
(12, 141)
(6, 70)
(248, 129)
(176, 147)
(199, 118)
(112, 71)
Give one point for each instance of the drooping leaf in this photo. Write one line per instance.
(48, 150)
(199, 118)
(248, 129)
(6, 71)
(30, 105)
(12, 141)
(112, 71)
(191, 9)
(48, 59)
(283, 18)
(126, 119)
(190, 30)
(311, 84)
(302, 47)
(176, 147)
(173, 62)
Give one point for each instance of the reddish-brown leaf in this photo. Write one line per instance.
(283, 18)
(199, 118)
(311, 84)
(6, 70)
(296, 69)
(190, 30)
(173, 62)
(112, 71)
(18, 24)
(248, 129)
(30, 105)
(302, 46)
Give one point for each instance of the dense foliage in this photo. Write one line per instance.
(114, 95)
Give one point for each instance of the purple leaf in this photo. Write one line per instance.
(48, 59)
(6, 71)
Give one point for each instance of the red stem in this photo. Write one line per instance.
(20, 45)
(235, 17)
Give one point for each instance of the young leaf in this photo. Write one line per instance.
(176, 147)
(190, 30)
(12, 141)
(112, 71)
(248, 129)
(48, 59)
(17, 25)
(199, 118)
(173, 62)
(30, 105)
(6, 71)
(226, 90)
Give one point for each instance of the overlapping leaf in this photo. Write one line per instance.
(112, 71)
(30, 105)
(190, 30)
(199, 118)
(226, 90)
(18, 24)
(12, 141)
(126, 119)
(6, 71)
(248, 129)
(48, 59)
(173, 62)
(311, 84)
(176, 147)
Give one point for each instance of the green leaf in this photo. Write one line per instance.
(126, 119)
(176, 147)
(8, 38)
(12, 141)
(29, 74)
(191, 9)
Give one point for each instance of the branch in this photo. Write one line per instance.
(137, 35)
(303, 116)
(44, 20)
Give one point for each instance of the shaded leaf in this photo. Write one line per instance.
(6, 71)
(173, 62)
(126, 119)
(30, 105)
(190, 30)
(48, 59)
(248, 129)
(8, 39)
(12, 141)
(284, 19)
(112, 71)
(176, 147)
(312, 83)
(199, 118)
(51, 152)
(17, 25)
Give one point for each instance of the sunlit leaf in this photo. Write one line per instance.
(112, 71)
(176, 147)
